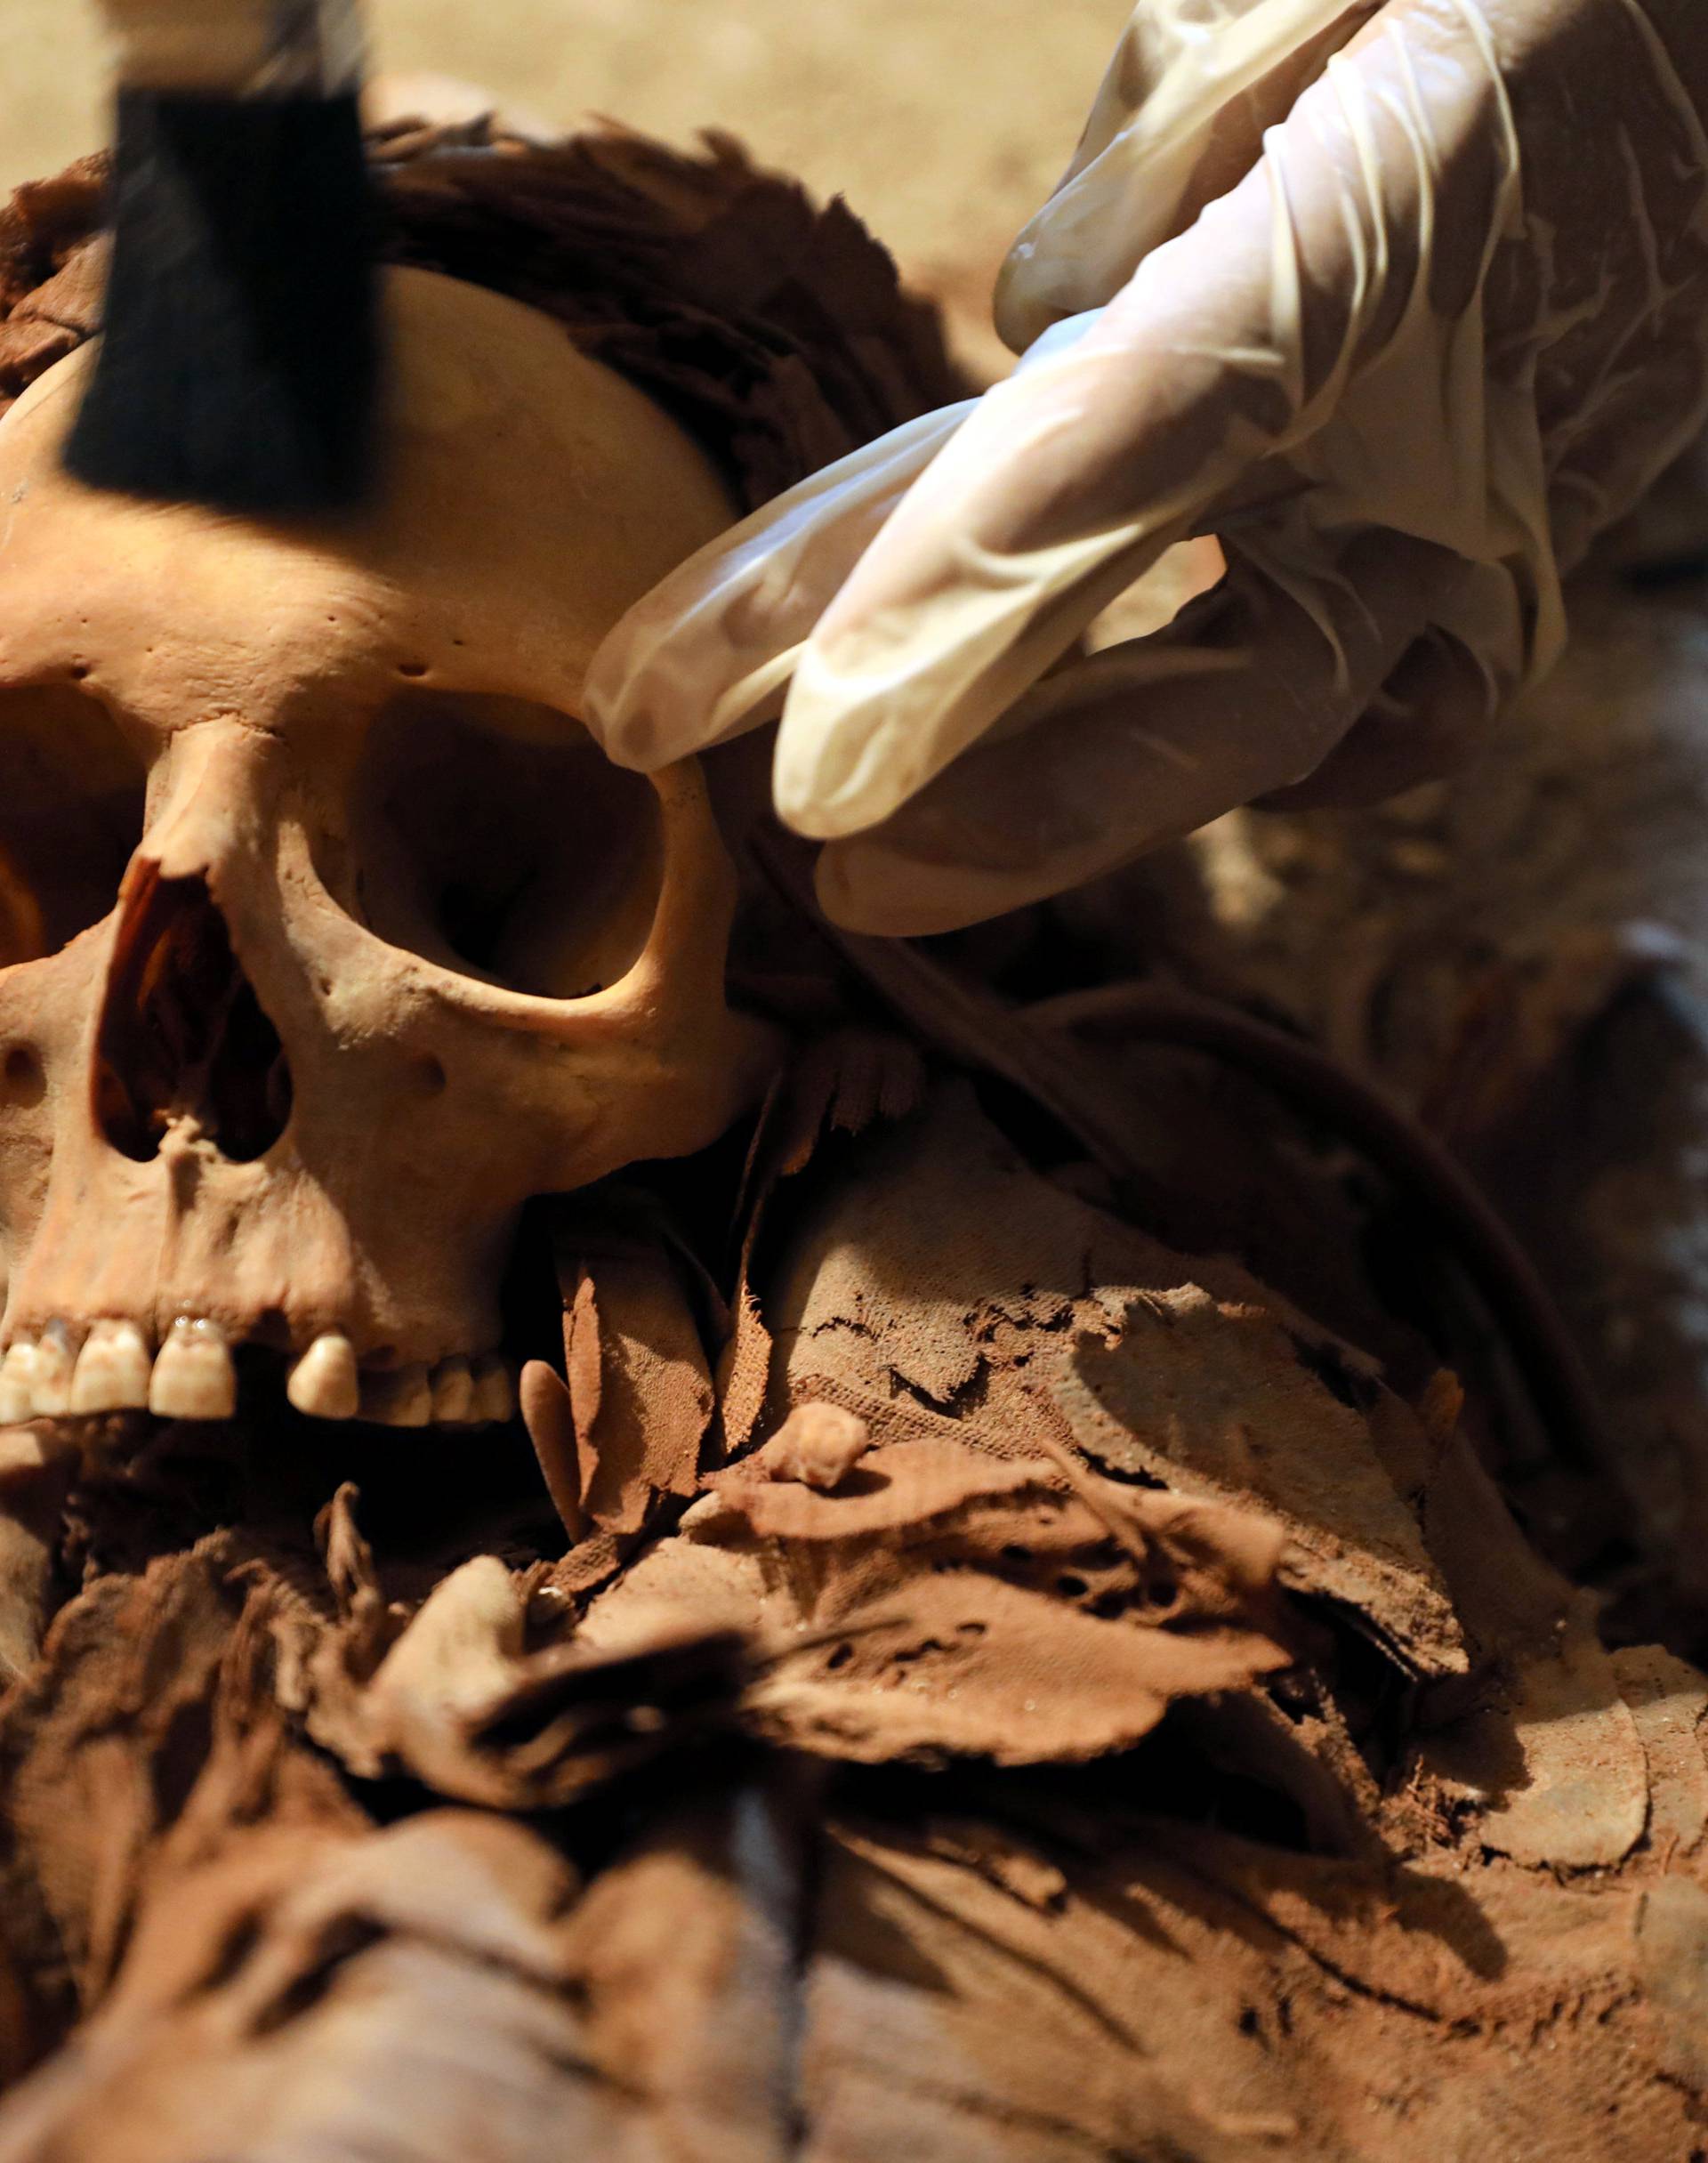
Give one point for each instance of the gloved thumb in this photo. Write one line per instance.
(1247, 693)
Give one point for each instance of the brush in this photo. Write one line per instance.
(239, 361)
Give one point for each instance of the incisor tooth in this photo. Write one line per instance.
(55, 1362)
(398, 1400)
(113, 1370)
(324, 1382)
(453, 1393)
(18, 1385)
(495, 1390)
(193, 1375)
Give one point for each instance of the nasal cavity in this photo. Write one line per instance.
(182, 1039)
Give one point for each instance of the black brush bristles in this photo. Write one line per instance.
(239, 361)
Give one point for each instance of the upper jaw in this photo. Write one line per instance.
(92, 1369)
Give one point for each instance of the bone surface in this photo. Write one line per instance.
(401, 1399)
(277, 838)
(325, 1381)
(55, 1363)
(194, 1377)
(495, 1390)
(453, 1381)
(114, 1370)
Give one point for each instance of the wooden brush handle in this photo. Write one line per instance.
(236, 48)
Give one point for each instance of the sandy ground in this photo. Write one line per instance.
(944, 122)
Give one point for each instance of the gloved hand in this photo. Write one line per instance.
(1403, 300)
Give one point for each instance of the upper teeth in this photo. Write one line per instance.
(55, 1364)
(403, 1398)
(193, 1376)
(113, 1369)
(326, 1381)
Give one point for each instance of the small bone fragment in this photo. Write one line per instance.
(18, 1385)
(495, 1392)
(399, 1400)
(550, 1418)
(818, 1444)
(453, 1385)
(55, 1362)
(324, 1382)
(113, 1370)
(194, 1378)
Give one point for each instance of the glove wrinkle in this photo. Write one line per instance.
(1344, 286)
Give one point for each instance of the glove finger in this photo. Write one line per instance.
(1364, 234)
(1179, 120)
(704, 655)
(1142, 744)
(1435, 707)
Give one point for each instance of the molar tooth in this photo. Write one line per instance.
(56, 1359)
(495, 1389)
(400, 1398)
(193, 1375)
(453, 1393)
(325, 1381)
(18, 1384)
(113, 1370)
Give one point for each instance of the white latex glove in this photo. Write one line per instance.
(1403, 300)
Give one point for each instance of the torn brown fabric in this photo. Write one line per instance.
(437, 1991)
(1519, 954)
(484, 1696)
(1168, 1990)
(151, 1721)
(318, 1996)
(51, 264)
(943, 1204)
(1047, 1982)
(687, 1956)
(641, 1396)
(846, 1081)
(940, 1601)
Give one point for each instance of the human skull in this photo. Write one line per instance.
(333, 936)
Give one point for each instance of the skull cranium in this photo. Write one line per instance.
(334, 938)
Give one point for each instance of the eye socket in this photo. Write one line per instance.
(71, 810)
(495, 836)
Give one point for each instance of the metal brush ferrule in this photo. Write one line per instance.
(238, 48)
